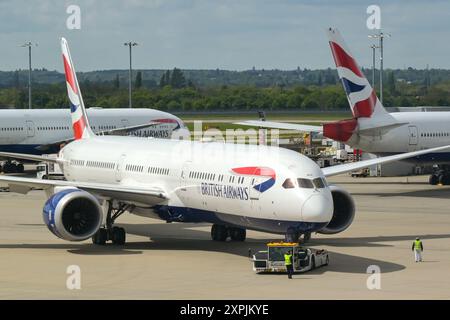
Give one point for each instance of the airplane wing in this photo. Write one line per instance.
(347, 167)
(147, 195)
(10, 155)
(280, 125)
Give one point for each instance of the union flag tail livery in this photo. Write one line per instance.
(80, 122)
(360, 94)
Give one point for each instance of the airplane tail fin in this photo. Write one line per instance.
(80, 121)
(362, 98)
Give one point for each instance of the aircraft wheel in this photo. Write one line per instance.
(237, 234)
(433, 180)
(100, 237)
(118, 236)
(446, 179)
(219, 232)
(20, 168)
(306, 237)
(292, 235)
(8, 167)
(442, 179)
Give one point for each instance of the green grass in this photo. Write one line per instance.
(226, 125)
(271, 116)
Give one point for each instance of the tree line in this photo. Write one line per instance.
(176, 92)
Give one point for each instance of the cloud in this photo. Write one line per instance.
(228, 34)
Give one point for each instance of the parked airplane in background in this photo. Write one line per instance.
(42, 131)
(372, 128)
(233, 186)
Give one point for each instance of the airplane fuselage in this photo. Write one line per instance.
(208, 182)
(421, 130)
(25, 131)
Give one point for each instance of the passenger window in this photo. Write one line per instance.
(288, 184)
(305, 183)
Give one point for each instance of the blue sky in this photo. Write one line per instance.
(226, 34)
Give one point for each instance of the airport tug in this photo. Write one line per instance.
(304, 259)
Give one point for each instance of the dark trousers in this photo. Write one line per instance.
(290, 270)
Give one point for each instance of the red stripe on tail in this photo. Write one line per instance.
(78, 129)
(364, 108)
(69, 75)
(342, 59)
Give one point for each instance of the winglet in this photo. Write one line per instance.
(80, 121)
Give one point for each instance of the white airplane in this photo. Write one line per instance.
(372, 128)
(233, 186)
(42, 131)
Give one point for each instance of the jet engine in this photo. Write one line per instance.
(73, 214)
(343, 213)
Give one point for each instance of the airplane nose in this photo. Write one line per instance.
(317, 208)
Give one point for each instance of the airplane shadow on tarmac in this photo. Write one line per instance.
(178, 236)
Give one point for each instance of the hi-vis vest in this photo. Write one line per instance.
(417, 244)
(288, 259)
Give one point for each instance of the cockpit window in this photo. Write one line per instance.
(319, 183)
(305, 183)
(288, 184)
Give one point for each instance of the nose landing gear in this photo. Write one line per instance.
(294, 236)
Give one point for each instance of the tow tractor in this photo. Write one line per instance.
(303, 258)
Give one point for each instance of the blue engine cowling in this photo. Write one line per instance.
(73, 214)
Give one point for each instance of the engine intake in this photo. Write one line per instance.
(343, 213)
(73, 214)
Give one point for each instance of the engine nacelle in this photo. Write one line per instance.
(73, 214)
(343, 213)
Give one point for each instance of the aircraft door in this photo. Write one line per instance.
(120, 167)
(30, 128)
(184, 175)
(254, 193)
(184, 182)
(413, 135)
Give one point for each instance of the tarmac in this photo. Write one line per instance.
(179, 261)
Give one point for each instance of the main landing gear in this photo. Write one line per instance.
(12, 167)
(109, 232)
(221, 233)
(440, 176)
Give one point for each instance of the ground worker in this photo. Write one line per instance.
(288, 262)
(417, 247)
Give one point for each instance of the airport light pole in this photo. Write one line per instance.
(373, 64)
(381, 37)
(29, 45)
(130, 44)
